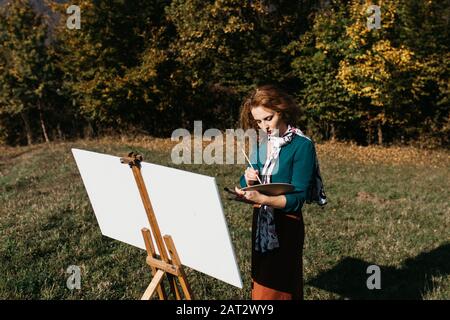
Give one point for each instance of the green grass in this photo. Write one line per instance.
(396, 216)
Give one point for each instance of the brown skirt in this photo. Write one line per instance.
(278, 274)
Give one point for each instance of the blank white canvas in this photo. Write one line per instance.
(187, 207)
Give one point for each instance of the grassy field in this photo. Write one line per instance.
(387, 206)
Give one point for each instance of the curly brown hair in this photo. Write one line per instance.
(270, 97)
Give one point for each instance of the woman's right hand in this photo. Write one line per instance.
(251, 176)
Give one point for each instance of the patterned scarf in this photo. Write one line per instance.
(266, 236)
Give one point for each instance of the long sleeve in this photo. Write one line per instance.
(254, 161)
(302, 173)
(242, 182)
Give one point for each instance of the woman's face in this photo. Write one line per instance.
(268, 120)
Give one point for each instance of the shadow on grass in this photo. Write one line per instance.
(348, 278)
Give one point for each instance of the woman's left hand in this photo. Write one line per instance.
(253, 196)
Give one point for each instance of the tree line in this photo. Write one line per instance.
(152, 66)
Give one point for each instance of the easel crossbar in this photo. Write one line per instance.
(167, 267)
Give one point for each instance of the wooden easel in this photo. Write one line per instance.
(161, 265)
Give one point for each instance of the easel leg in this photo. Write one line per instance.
(172, 281)
(173, 286)
(151, 252)
(154, 284)
(176, 261)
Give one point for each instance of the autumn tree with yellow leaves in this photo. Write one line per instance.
(375, 68)
(385, 82)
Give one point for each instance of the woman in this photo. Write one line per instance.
(277, 229)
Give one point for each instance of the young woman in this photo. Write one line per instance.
(283, 155)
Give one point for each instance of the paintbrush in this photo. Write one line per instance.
(248, 160)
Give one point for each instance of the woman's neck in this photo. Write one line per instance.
(282, 130)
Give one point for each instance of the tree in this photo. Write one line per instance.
(327, 105)
(376, 69)
(225, 47)
(28, 79)
(424, 26)
(101, 61)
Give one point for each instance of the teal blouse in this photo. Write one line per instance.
(295, 165)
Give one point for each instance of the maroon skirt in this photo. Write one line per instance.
(280, 270)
